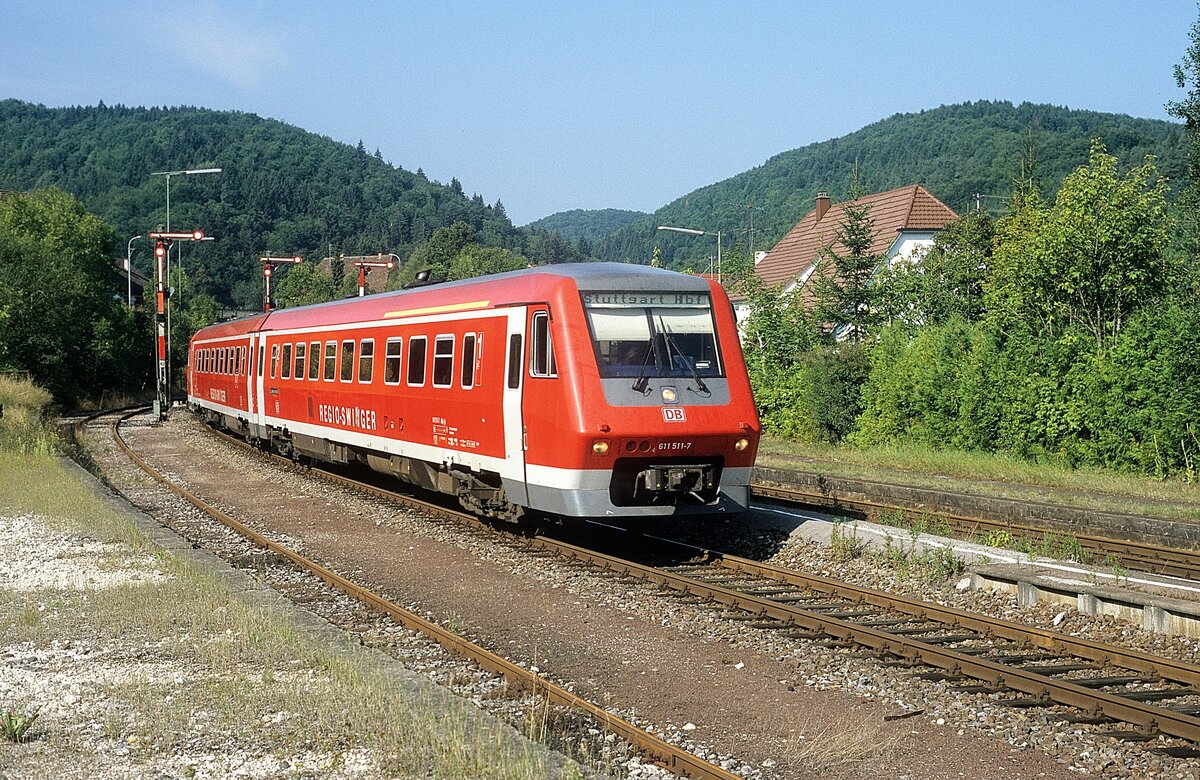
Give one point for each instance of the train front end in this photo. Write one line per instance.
(668, 424)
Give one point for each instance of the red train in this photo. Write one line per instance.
(586, 390)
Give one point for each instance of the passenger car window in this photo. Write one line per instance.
(443, 361)
(541, 350)
(416, 361)
(468, 358)
(391, 362)
(366, 361)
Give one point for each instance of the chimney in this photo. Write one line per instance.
(822, 204)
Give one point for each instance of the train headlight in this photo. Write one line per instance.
(600, 447)
(741, 444)
(670, 395)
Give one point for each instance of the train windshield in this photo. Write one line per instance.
(647, 335)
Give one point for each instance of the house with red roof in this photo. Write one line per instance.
(904, 221)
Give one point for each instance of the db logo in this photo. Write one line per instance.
(674, 414)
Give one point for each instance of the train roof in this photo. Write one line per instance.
(526, 285)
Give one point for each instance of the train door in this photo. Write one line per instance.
(251, 401)
(260, 360)
(514, 419)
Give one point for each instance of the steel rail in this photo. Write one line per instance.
(1152, 719)
(998, 676)
(673, 758)
(1141, 556)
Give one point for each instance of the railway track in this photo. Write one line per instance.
(676, 759)
(1120, 693)
(1137, 556)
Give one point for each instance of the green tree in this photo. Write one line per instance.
(1187, 76)
(304, 284)
(846, 297)
(475, 260)
(61, 300)
(1091, 259)
(946, 281)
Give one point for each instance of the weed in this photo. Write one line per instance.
(15, 726)
(845, 546)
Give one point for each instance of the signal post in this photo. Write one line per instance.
(269, 264)
(162, 245)
(362, 264)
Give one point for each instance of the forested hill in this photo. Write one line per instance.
(954, 151)
(282, 190)
(589, 225)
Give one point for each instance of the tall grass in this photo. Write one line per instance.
(24, 427)
(982, 473)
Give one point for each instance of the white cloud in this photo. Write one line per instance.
(228, 42)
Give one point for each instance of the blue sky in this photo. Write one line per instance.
(550, 106)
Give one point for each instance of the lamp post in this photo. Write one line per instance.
(179, 262)
(186, 172)
(691, 231)
(269, 264)
(129, 270)
(162, 245)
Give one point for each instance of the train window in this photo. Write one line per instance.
(366, 361)
(287, 361)
(274, 360)
(301, 349)
(314, 360)
(391, 362)
(261, 358)
(673, 336)
(468, 364)
(347, 361)
(225, 360)
(241, 360)
(416, 361)
(514, 361)
(330, 360)
(541, 350)
(443, 361)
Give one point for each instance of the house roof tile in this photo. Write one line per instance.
(891, 212)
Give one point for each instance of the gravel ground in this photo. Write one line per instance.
(782, 703)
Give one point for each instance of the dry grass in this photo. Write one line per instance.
(23, 428)
(991, 475)
(840, 745)
(193, 669)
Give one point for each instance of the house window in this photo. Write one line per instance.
(416, 361)
(366, 361)
(468, 358)
(443, 361)
(391, 362)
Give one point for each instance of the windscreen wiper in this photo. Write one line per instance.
(642, 380)
(690, 364)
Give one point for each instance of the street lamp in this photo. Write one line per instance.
(179, 262)
(162, 245)
(268, 266)
(692, 232)
(129, 270)
(168, 174)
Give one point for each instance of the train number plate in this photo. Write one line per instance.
(674, 414)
